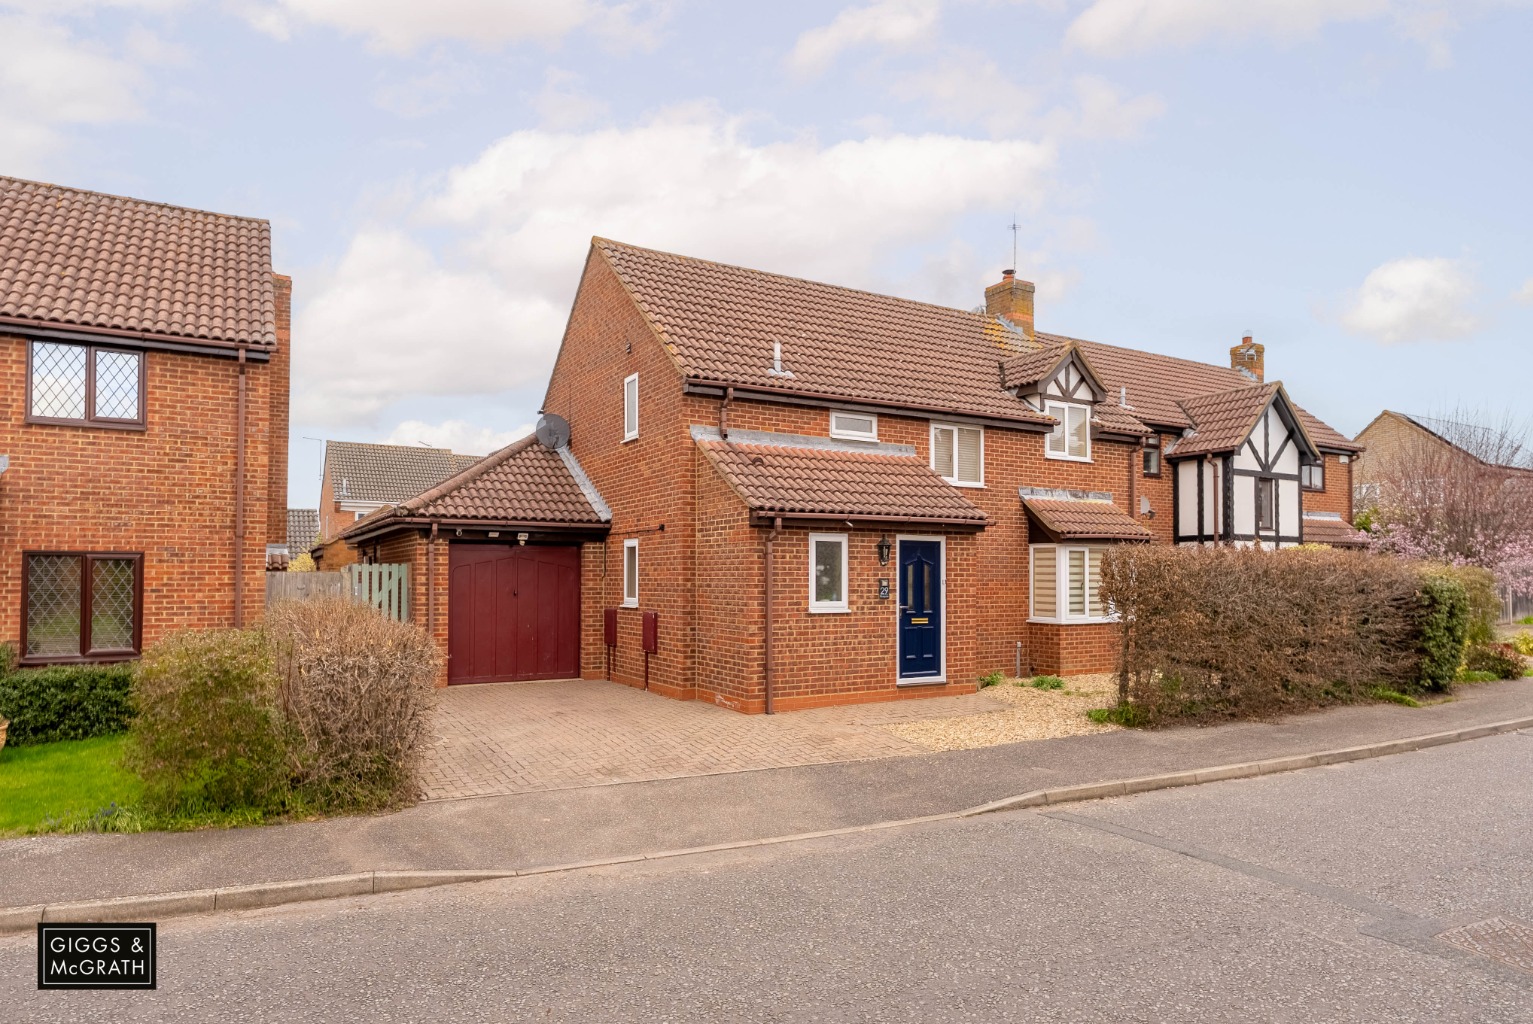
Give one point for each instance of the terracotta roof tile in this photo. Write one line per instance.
(720, 323)
(1030, 367)
(1335, 532)
(524, 482)
(1223, 421)
(811, 481)
(75, 258)
(1084, 520)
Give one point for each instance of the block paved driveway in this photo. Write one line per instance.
(501, 738)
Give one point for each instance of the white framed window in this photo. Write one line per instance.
(853, 426)
(1071, 438)
(630, 407)
(630, 574)
(958, 454)
(1067, 584)
(827, 572)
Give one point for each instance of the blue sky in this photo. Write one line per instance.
(1348, 179)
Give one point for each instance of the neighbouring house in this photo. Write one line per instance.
(361, 478)
(145, 348)
(302, 532)
(771, 493)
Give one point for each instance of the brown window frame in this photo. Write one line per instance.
(91, 419)
(1269, 520)
(90, 655)
(1316, 466)
(1144, 463)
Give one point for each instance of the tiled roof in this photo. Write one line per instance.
(524, 482)
(1084, 520)
(1224, 420)
(85, 259)
(720, 323)
(1157, 383)
(1030, 367)
(810, 481)
(388, 472)
(302, 528)
(1335, 532)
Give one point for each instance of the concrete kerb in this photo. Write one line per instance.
(272, 894)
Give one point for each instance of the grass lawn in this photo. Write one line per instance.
(70, 780)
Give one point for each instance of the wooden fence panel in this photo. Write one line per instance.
(385, 587)
(302, 586)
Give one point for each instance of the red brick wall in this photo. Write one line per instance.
(277, 398)
(166, 491)
(1337, 496)
(647, 482)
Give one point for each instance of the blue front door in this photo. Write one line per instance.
(920, 609)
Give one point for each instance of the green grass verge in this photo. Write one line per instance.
(1394, 697)
(1468, 676)
(62, 786)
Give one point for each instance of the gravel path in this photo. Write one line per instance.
(1033, 715)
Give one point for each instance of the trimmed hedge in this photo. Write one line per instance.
(66, 702)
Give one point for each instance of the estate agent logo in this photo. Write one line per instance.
(95, 955)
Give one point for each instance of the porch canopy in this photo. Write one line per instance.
(1057, 520)
(790, 479)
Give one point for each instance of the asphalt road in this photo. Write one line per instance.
(1309, 897)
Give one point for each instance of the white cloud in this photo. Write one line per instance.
(1413, 299)
(561, 103)
(394, 321)
(401, 26)
(1525, 293)
(1116, 27)
(486, 314)
(50, 81)
(889, 23)
(459, 435)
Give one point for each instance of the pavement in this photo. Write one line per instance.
(608, 821)
(500, 739)
(1394, 889)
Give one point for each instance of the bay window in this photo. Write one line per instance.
(1067, 583)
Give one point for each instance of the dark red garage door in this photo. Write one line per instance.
(514, 613)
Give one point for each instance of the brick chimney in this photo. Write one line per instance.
(1249, 358)
(1012, 300)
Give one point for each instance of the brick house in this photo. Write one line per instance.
(145, 350)
(794, 494)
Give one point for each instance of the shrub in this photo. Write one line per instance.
(1225, 632)
(1484, 603)
(1467, 676)
(1048, 682)
(1443, 628)
(1523, 644)
(991, 679)
(209, 736)
(66, 702)
(1502, 660)
(356, 691)
(303, 563)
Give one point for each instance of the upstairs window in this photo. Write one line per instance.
(1152, 462)
(958, 454)
(1312, 478)
(1071, 437)
(631, 407)
(1266, 504)
(854, 426)
(84, 384)
(81, 606)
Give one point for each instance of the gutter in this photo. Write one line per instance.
(386, 524)
(770, 518)
(130, 339)
(716, 388)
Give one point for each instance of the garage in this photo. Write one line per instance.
(513, 612)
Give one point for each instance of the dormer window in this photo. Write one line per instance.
(1071, 436)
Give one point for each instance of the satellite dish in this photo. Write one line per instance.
(553, 431)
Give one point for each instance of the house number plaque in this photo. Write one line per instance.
(883, 589)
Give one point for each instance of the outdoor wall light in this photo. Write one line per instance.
(521, 538)
(884, 548)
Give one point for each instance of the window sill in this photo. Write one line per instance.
(1066, 458)
(830, 610)
(921, 681)
(962, 483)
(41, 421)
(633, 438)
(1107, 620)
(41, 661)
(854, 437)
(629, 604)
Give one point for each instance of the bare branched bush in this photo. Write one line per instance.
(357, 690)
(1213, 633)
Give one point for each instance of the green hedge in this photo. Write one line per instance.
(66, 702)
(1445, 624)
